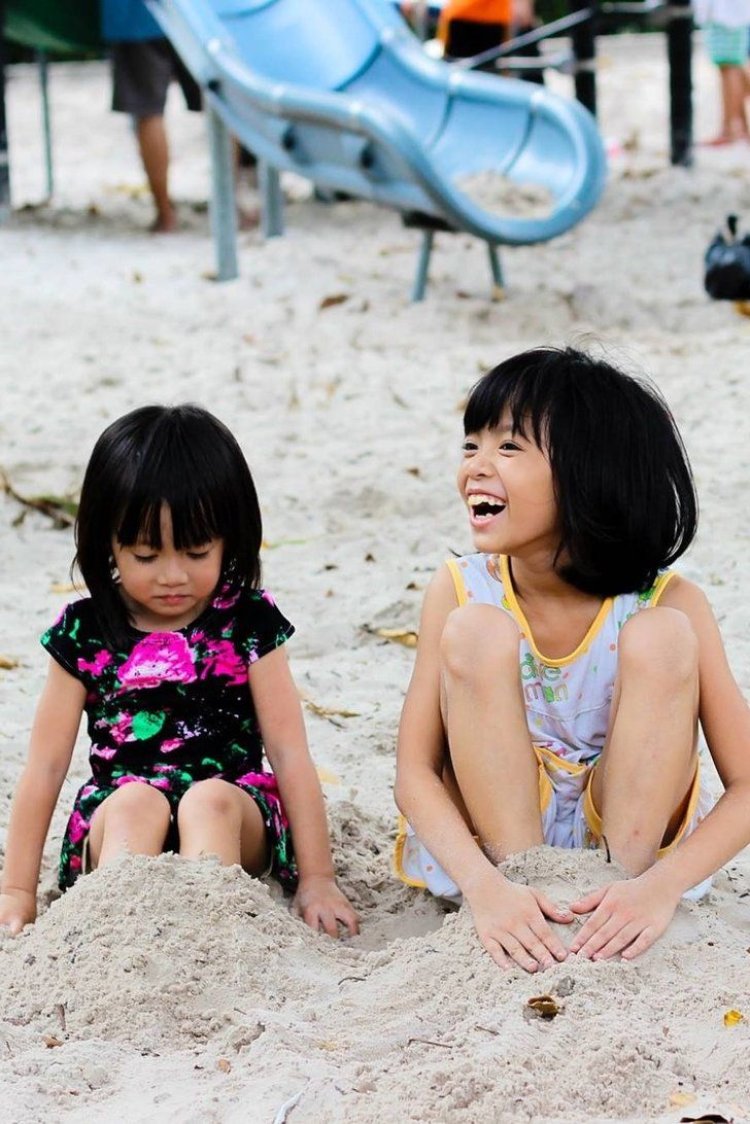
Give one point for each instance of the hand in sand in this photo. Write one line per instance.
(626, 917)
(510, 922)
(17, 908)
(320, 904)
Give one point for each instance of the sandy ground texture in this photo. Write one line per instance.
(175, 992)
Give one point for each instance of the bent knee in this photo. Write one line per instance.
(661, 640)
(137, 798)
(477, 637)
(213, 797)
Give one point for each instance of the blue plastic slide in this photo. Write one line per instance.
(341, 92)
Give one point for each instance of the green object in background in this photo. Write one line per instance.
(67, 27)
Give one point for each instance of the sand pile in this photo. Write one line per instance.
(166, 954)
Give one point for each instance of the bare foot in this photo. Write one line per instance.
(165, 222)
(723, 139)
(248, 217)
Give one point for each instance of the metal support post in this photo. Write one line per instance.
(4, 162)
(46, 121)
(423, 265)
(584, 53)
(223, 209)
(272, 218)
(498, 282)
(680, 50)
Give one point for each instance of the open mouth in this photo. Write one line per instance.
(483, 507)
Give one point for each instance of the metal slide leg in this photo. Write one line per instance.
(498, 283)
(223, 209)
(423, 264)
(46, 121)
(4, 161)
(679, 48)
(269, 181)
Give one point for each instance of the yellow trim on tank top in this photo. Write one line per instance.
(518, 613)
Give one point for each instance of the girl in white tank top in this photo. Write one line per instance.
(563, 670)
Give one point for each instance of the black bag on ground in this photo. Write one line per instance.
(727, 265)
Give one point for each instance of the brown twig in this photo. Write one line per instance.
(60, 509)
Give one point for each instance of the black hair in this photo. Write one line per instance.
(181, 456)
(622, 479)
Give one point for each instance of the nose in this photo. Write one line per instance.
(172, 571)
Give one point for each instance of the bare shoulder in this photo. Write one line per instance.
(681, 593)
(440, 598)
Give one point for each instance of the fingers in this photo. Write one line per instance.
(589, 902)
(644, 941)
(328, 918)
(532, 948)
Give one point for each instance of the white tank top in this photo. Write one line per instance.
(567, 700)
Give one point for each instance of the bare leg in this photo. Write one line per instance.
(133, 820)
(154, 149)
(217, 818)
(734, 122)
(643, 779)
(483, 712)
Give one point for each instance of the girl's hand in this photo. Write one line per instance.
(17, 908)
(319, 902)
(626, 917)
(510, 922)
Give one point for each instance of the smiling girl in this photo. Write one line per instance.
(563, 670)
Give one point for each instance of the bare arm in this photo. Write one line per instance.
(53, 735)
(282, 727)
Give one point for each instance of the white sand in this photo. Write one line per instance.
(182, 992)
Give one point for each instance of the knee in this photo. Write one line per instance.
(661, 642)
(477, 639)
(210, 799)
(138, 801)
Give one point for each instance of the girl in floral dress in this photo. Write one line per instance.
(177, 660)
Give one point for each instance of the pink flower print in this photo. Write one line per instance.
(225, 598)
(101, 751)
(77, 828)
(122, 730)
(267, 597)
(75, 862)
(161, 657)
(101, 660)
(169, 746)
(222, 660)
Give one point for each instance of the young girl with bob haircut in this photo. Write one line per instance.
(562, 670)
(177, 658)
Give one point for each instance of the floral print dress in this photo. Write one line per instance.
(172, 708)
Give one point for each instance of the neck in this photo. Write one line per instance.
(535, 578)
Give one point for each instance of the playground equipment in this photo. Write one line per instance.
(342, 93)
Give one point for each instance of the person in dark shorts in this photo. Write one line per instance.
(144, 64)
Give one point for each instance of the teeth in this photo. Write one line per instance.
(477, 498)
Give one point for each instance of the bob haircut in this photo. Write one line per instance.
(621, 476)
(181, 456)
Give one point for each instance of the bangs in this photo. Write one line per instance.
(186, 476)
(192, 523)
(517, 389)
